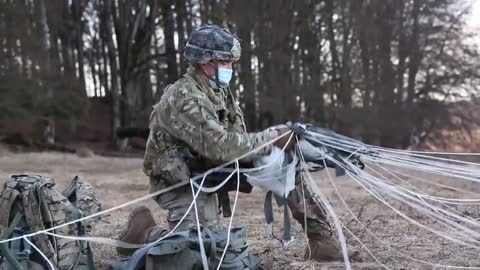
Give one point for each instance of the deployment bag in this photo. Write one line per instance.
(181, 251)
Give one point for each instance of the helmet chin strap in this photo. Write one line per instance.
(217, 81)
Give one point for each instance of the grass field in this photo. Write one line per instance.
(118, 180)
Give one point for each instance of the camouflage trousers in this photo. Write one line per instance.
(301, 202)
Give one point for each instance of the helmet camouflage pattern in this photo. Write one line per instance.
(211, 42)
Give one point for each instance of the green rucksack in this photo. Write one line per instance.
(29, 203)
(181, 251)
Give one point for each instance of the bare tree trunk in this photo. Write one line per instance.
(388, 110)
(66, 38)
(9, 38)
(77, 12)
(115, 91)
(246, 77)
(105, 74)
(189, 16)
(91, 60)
(3, 29)
(181, 11)
(333, 51)
(42, 10)
(415, 56)
(169, 33)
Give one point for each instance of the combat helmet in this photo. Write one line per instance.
(211, 42)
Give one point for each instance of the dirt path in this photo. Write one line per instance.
(120, 179)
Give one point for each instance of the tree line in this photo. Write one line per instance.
(371, 69)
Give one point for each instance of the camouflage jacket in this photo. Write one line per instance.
(194, 121)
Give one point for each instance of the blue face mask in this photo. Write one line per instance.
(224, 75)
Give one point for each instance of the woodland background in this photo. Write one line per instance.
(376, 70)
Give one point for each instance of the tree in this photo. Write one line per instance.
(375, 69)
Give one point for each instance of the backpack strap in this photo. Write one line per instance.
(70, 191)
(287, 227)
(13, 224)
(90, 262)
(18, 250)
(33, 217)
(7, 199)
(7, 254)
(268, 210)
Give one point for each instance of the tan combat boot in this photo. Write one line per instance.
(140, 222)
(310, 213)
(325, 247)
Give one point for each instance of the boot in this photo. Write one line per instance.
(140, 222)
(325, 247)
(308, 211)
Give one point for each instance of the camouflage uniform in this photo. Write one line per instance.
(194, 120)
(197, 119)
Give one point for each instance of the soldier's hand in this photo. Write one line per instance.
(284, 141)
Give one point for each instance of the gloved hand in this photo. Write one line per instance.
(280, 130)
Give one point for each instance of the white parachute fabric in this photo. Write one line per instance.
(276, 172)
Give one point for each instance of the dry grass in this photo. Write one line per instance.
(4, 150)
(120, 179)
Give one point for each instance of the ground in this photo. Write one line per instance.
(118, 180)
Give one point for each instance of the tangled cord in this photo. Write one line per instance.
(377, 185)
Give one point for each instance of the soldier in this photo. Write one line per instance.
(198, 118)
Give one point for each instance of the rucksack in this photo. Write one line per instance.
(30, 203)
(181, 251)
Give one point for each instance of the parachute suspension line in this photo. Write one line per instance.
(406, 160)
(199, 230)
(349, 167)
(330, 178)
(302, 183)
(396, 194)
(415, 167)
(395, 250)
(40, 252)
(362, 184)
(410, 176)
(330, 209)
(419, 198)
(99, 240)
(442, 200)
(377, 185)
(118, 243)
(359, 180)
(442, 171)
(152, 195)
(356, 218)
(374, 151)
(338, 227)
(364, 247)
(237, 167)
(396, 174)
(381, 241)
(309, 249)
(421, 153)
(392, 150)
(444, 204)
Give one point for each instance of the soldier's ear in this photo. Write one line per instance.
(201, 67)
(207, 68)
